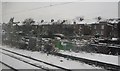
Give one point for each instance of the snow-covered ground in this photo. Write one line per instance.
(59, 61)
(16, 63)
(31, 61)
(94, 56)
(4, 67)
(0, 60)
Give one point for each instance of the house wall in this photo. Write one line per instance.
(101, 29)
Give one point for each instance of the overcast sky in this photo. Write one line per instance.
(58, 10)
(0, 12)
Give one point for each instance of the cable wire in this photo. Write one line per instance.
(23, 11)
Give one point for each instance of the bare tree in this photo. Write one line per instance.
(80, 18)
(11, 20)
(52, 20)
(27, 28)
(42, 21)
(28, 21)
(98, 18)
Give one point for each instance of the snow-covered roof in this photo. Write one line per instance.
(59, 34)
(86, 21)
(20, 24)
(114, 21)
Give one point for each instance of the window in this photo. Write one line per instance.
(80, 27)
(95, 27)
(102, 27)
(101, 32)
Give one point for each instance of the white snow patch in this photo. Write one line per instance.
(16, 63)
(94, 56)
(59, 61)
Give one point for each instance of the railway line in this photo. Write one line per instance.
(10, 68)
(40, 67)
(33, 59)
(104, 65)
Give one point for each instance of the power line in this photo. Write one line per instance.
(23, 11)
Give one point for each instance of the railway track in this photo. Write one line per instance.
(38, 66)
(83, 60)
(106, 66)
(11, 68)
(61, 68)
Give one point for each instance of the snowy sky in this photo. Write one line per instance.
(0, 12)
(60, 10)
